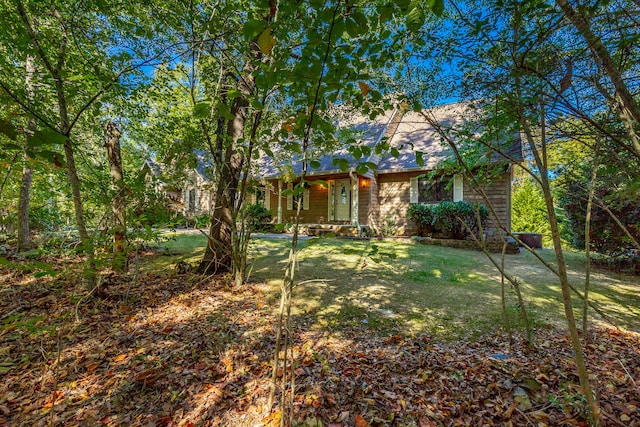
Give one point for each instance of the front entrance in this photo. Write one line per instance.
(342, 201)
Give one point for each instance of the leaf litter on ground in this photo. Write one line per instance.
(184, 350)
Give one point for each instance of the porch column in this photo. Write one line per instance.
(279, 202)
(354, 200)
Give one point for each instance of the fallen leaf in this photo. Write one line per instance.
(119, 358)
(360, 421)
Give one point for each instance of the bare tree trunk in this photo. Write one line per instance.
(118, 203)
(24, 232)
(587, 250)
(540, 159)
(218, 256)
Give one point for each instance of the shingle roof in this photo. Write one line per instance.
(412, 134)
(369, 134)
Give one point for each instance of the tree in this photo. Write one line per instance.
(537, 79)
(77, 60)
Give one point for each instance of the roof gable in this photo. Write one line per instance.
(407, 132)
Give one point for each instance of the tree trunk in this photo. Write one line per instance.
(218, 256)
(24, 232)
(118, 203)
(578, 353)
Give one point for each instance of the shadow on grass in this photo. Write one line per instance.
(448, 292)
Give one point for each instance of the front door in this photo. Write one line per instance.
(342, 202)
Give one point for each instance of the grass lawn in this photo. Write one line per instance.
(410, 288)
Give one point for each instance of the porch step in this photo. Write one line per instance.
(339, 230)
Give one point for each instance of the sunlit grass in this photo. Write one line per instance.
(398, 286)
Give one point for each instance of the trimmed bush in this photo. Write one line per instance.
(422, 216)
(257, 217)
(448, 220)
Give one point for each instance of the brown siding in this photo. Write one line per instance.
(394, 199)
(498, 191)
(374, 205)
(273, 199)
(364, 200)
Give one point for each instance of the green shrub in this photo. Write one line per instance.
(529, 211)
(449, 220)
(422, 215)
(257, 217)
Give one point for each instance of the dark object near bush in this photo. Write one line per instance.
(257, 217)
(448, 220)
(533, 240)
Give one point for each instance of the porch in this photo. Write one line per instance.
(338, 203)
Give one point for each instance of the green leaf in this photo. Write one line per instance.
(415, 18)
(343, 164)
(45, 136)
(51, 156)
(420, 158)
(314, 164)
(321, 182)
(252, 28)
(11, 147)
(233, 94)
(437, 6)
(362, 169)
(225, 111)
(201, 110)
(8, 129)
(266, 41)
(356, 27)
(394, 152)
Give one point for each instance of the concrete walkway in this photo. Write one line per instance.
(281, 236)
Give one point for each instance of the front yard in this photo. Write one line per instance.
(385, 333)
(449, 293)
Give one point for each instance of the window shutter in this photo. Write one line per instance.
(290, 197)
(458, 188)
(267, 198)
(305, 200)
(413, 192)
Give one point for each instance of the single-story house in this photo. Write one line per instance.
(381, 196)
(191, 194)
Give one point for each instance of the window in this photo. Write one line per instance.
(261, 196)
(293, 200)
(426, 190)
(434, 191)
(192, 201)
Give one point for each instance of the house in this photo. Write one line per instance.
(191, 194)
(377, 200)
